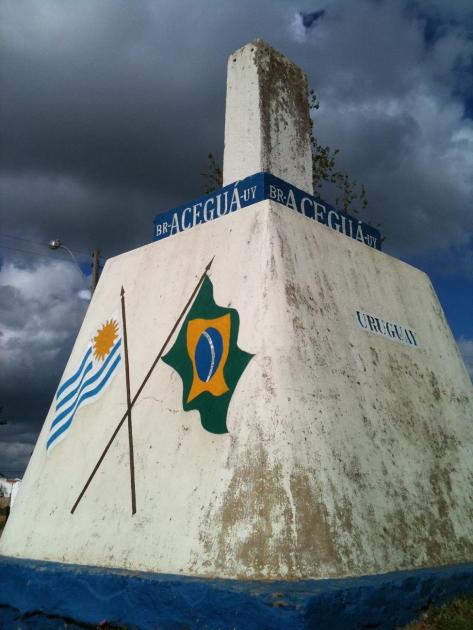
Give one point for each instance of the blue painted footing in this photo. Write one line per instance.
(43, 594)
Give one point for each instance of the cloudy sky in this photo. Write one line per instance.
(109, 109)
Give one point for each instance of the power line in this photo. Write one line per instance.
(32, 253)
(20, 238)
(45, 255)
(26, 240)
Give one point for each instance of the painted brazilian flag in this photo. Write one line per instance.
(207, 358)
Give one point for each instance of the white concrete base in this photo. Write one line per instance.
(347, 454)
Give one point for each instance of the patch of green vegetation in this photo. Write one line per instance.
(456, 615)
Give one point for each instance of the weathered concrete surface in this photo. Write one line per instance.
(267, 120)
(348, 453)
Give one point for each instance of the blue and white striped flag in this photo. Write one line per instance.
(96, 370)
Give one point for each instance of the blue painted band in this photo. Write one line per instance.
(252, 190)
(146, 600)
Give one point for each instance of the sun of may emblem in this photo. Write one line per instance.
(104, 339)
(207, 358)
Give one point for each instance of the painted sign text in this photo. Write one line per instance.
(252, 190)
(390, 330)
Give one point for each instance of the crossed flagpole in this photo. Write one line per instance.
(131, 401)
(128, 406)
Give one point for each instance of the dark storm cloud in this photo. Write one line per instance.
(109, 109)
(95, 116)
(39, 317)
(16, 446)
(29, 298)
(113, 107)
(84, 214)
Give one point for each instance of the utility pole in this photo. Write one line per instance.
(95, 268)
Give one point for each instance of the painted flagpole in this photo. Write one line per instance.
(128, 404)
(140, 389)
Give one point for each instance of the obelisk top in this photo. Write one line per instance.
(267, 122)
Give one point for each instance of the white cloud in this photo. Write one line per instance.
(391, 104)
(41, 312)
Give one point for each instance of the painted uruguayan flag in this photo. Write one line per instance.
(97, 368)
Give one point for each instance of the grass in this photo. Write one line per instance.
(456, 615)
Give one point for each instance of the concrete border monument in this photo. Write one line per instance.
(300, 435)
